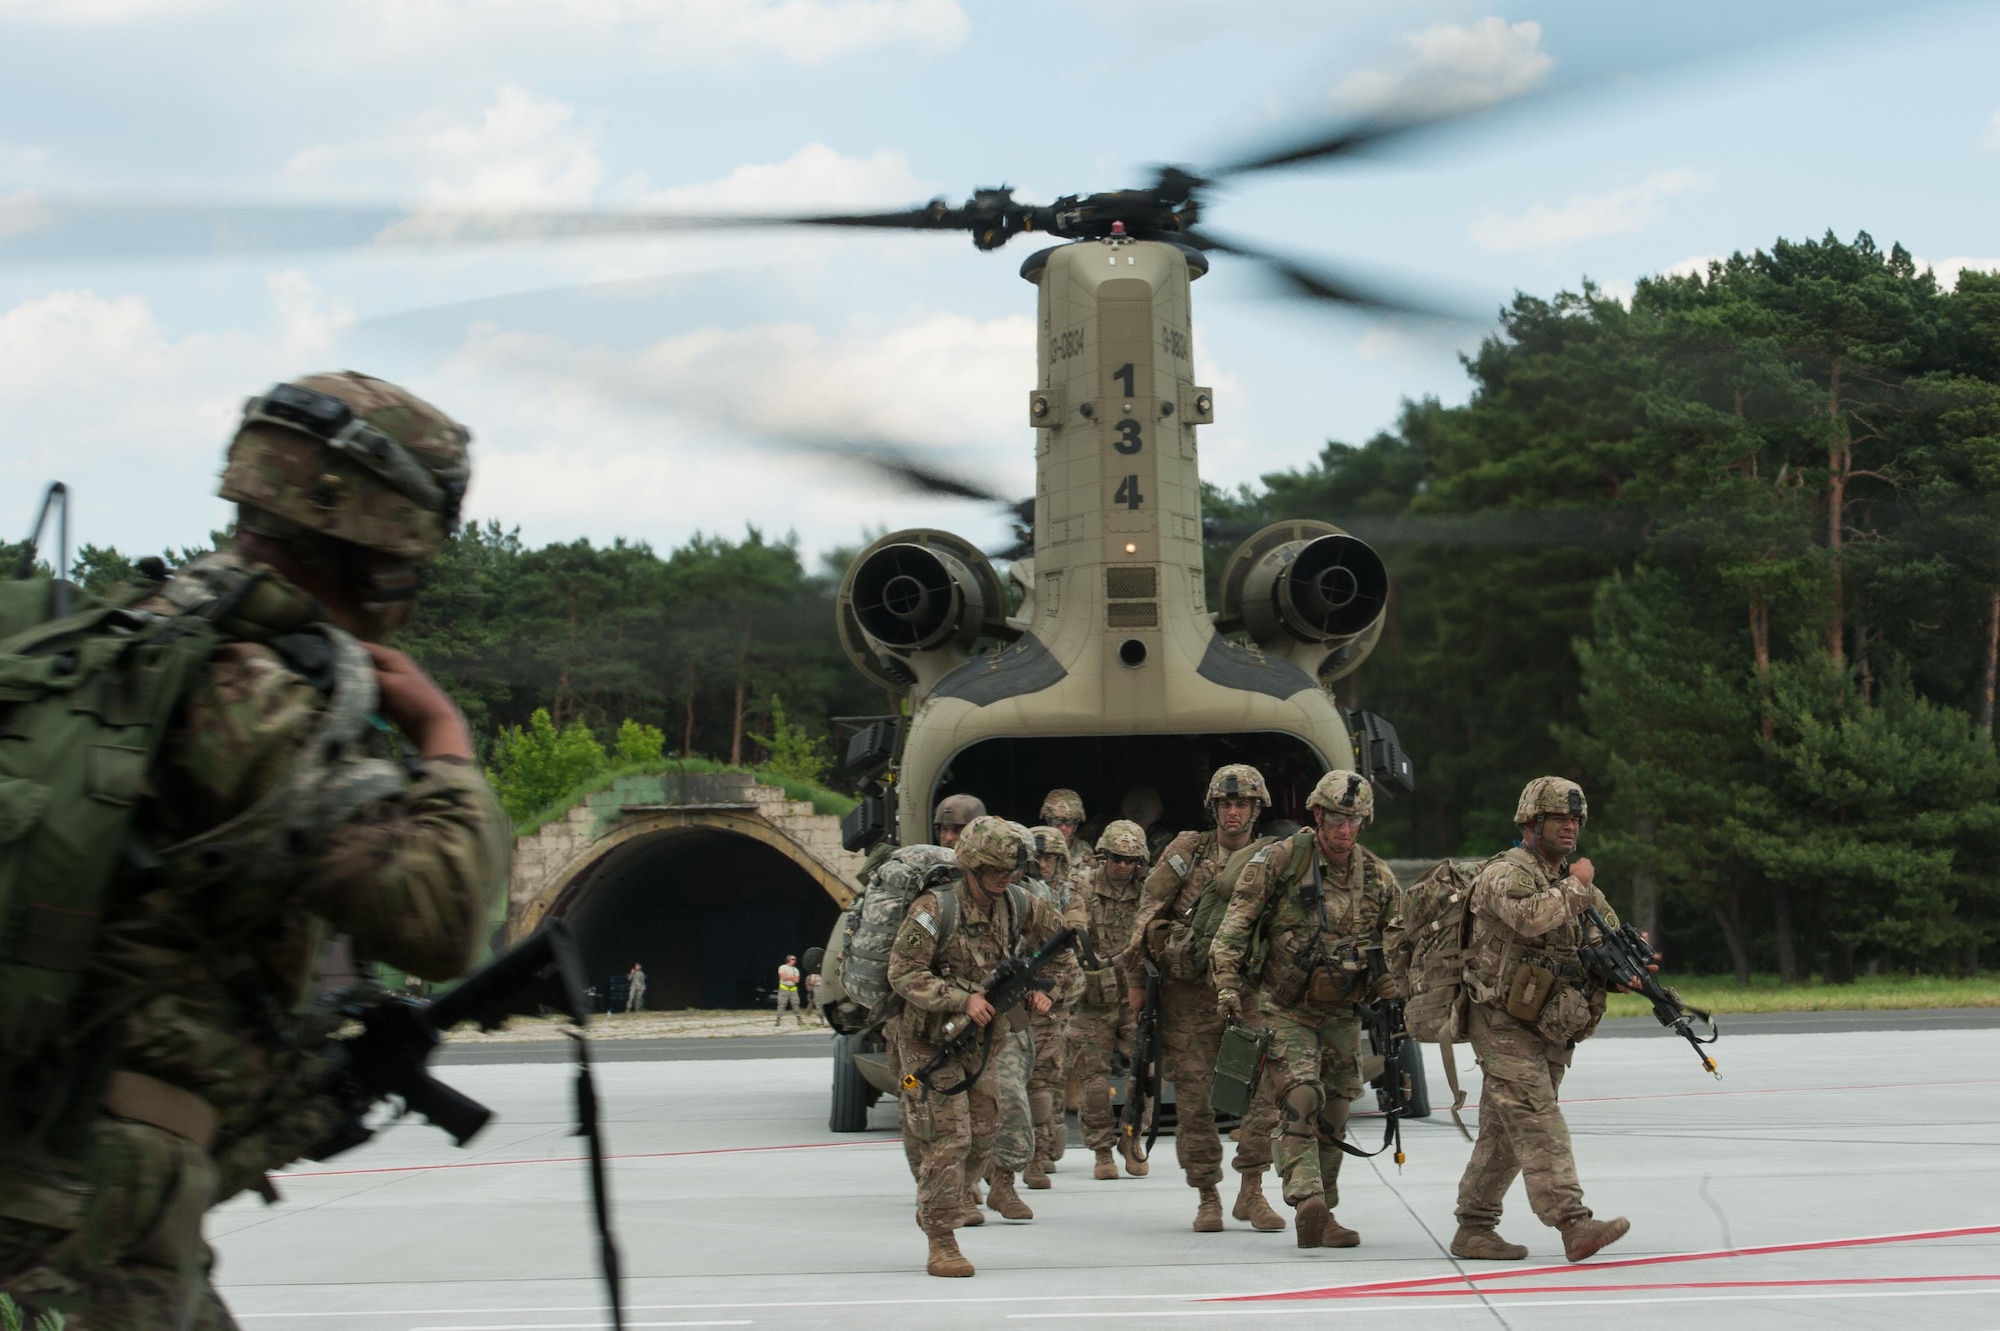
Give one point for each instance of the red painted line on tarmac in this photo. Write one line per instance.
(575, 1159)
(1476, 1281)
(1688, 1285)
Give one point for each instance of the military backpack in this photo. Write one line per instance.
(1205, 920)
(876, 917)
(1429, 963)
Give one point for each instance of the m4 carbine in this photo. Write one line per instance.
(1010, 985)
(1382, 1018)
(1622, 958)
(1148, 1059)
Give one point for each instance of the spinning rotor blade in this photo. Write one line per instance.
(1315, 282)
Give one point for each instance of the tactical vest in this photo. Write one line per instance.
(1287, 889)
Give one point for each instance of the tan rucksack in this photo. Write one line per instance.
(1429, 962)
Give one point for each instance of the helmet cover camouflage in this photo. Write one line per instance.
(1062, 804)
(1124, 838)
(1551, 794)
(992, 843)
(958, 810)
(354, 458)
(1050, 841)
(1345, 792)
(1238, 781)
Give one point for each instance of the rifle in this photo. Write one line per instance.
(1621, 959)
(1382, 1018)
(1009, 985)
(389, 1057)
(1148, 1055)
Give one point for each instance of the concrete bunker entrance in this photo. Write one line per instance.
(709, 913)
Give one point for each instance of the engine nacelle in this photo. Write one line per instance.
(1309, 592)
(913, 604)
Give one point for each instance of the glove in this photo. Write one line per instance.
(1385, 986)
(1228, 1005)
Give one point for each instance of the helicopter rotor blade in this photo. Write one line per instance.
(1321, 283)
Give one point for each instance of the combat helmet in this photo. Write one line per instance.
(1345, 792)
(1062, 804)
(1238, 781)
(353, 458)
(992, 843)
(958, 810)
(1050, 841)
(1125, 838)
(1551, 794)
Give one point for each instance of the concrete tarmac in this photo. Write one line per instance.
(1835, 1178)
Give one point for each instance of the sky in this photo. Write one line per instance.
(643, 388)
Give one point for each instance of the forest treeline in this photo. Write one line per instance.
(1728, 553)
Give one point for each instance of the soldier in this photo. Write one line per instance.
(1318, 900)
(953, 813)
(1013, 1065)
(1163, 934)
(1527, 914)
(1062, 809)
(787, 997)
(1103, 1023)
(1046, 1083)
(635, 989)
(939, 969)
(268, 821)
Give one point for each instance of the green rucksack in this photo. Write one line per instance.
(1205, 920)
(85, 700)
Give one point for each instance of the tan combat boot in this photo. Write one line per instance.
(946, 1259)
(1136, 1163)
(1251, 1206)
(1587, 1238)
(1036, 1175)
(1107, 1168)
(1337, 1235)
(1311, 1220)
(1000, 1195)
(1479, 1244)
(1208, 1214)
(968, 1208)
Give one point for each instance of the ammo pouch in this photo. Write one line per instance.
(1287, 983)
(1101, 986)
(1170, 943)
(1528, 992)
(1239, 1065)
(1566, 1016)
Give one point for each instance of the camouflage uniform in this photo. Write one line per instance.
(955, 1133)
(1061, 805)
(1191, 1028)
(1523, 910)
(218, 1079)
(1049, 1079)
(1103, 1023)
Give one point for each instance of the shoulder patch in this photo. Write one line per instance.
(1263, 856)
(929, 922)
(1180, 864)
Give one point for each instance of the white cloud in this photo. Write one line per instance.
(1695, 265)
(1586, 216)
(659, 33)
(1947, 270)
(98, 393)
(729, 414)
(1451, 67)
(815, 178)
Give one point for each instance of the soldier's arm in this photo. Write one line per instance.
(1247, 900)
(1063, 973)
(1385, 905)
(1163, 884)
(1509, 894)
(419, 879)
(911, 972)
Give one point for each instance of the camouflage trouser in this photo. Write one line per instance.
(1316, 1056)
(1096, 1030)
(912, 1150)
(1192, 1036)
(1013, 1060)
(137, 1259)
(1521, 1128)
(1047, 1083)
(954, 1135)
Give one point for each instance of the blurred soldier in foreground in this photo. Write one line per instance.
(1104, 1023)
(1532, 1003)
(950, 944)
(1046, 1084)
(952, 814)
(1167, 933)
(1062, 809)
(1317, 902)
(270, 818)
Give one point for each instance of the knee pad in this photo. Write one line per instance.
(1097, 1102)
(1333, 1122)
(1299, 1108)
(1041, 1107)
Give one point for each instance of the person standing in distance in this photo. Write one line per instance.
(1191, 1030)
(788, 992)
(635, 989)
(274, 815)
(939, 970)
(1527, 912)
(1320, 900)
